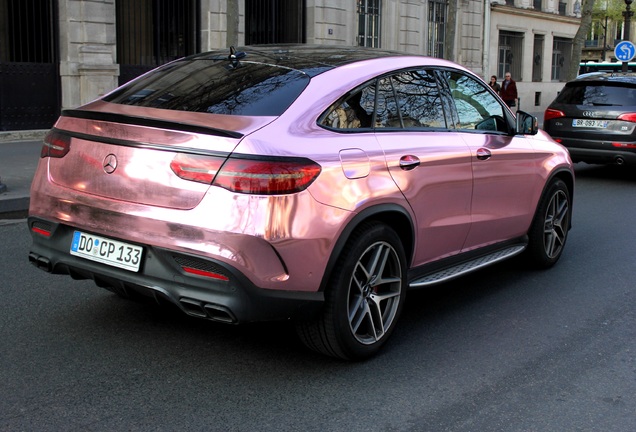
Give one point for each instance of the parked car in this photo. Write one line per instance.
(310, 183)
(594, 116)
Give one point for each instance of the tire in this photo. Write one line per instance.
(364, 297)
(549, 230)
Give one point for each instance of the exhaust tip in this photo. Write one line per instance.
(619, 160)
(40, 262)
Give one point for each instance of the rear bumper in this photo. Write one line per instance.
(162, 277)
(617, 157)
(599, 152)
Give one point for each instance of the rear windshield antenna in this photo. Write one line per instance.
(234, 57)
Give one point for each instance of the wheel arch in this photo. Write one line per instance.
(566, 176)
(392, 215)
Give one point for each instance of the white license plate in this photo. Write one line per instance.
(107, 251)
(601, 124)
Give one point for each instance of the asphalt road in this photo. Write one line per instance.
(507, 349)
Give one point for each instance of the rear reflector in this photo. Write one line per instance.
(262, 176)
(205, 273)
(624, 145)
(56, 145)
(41, 231)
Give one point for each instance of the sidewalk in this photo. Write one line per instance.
(19, 156)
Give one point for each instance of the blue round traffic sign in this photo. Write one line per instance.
(624, 51)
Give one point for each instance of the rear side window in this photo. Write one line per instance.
(214, 86)
(408, 99)
(419, 99)
(600, 94)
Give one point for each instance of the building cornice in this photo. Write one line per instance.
(533, 13)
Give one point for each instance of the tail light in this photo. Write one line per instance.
(196, 168)
(630, 117)
(552, 114)
(262, 176)
(56, 144)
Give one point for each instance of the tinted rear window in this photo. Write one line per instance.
(208, 85)
(600, 94)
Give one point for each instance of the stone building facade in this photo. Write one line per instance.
(530, 38)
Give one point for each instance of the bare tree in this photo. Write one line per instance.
(451, 31)
(579, 39)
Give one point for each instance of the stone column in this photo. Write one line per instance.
(88, 67)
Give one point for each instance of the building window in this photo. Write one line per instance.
(562, 6)
(537, 5)
(25, 31)
(436, 27)
(537, 59)
(561, 51)
(369, 23)
(510, 54)
(274, 21)
(595, 35)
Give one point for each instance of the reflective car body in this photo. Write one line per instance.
(247, 186)
(594, 116)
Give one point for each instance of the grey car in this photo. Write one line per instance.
(594, 116)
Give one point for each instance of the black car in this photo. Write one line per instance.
(594, 116)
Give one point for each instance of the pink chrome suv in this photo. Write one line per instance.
(310, 183)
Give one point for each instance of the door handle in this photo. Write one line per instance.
(408, 162)
(483, 154)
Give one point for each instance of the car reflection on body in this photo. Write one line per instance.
(310, 183)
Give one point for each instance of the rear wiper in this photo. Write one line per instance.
(604, 104)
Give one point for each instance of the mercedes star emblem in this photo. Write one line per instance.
(110, 164)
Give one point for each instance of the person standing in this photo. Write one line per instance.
(508, 90)
(494, 85)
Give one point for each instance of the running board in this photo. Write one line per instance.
(466, 267)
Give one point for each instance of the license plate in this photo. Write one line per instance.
(600, 124)
(106, 251)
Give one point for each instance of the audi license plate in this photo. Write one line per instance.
(599, 124)
(106, 251)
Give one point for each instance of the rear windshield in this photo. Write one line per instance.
(215, 86)
(599, 94)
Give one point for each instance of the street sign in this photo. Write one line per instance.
(624, 51)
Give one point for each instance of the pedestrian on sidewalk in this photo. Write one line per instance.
(494, 85)
(508, 91)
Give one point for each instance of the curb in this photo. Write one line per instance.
(15, 204)
(14, 208)
(25, 135)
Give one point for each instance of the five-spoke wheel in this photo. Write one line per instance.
(550, 226)
(364, 298)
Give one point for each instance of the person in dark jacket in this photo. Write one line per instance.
(508, 90)
(493, 84)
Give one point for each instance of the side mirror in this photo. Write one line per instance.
(526, 124)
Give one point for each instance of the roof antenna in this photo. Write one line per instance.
(234, 57)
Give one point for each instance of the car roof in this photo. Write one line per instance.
(606, 77)
(310, 59)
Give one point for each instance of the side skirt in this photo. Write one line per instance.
(457, 269)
